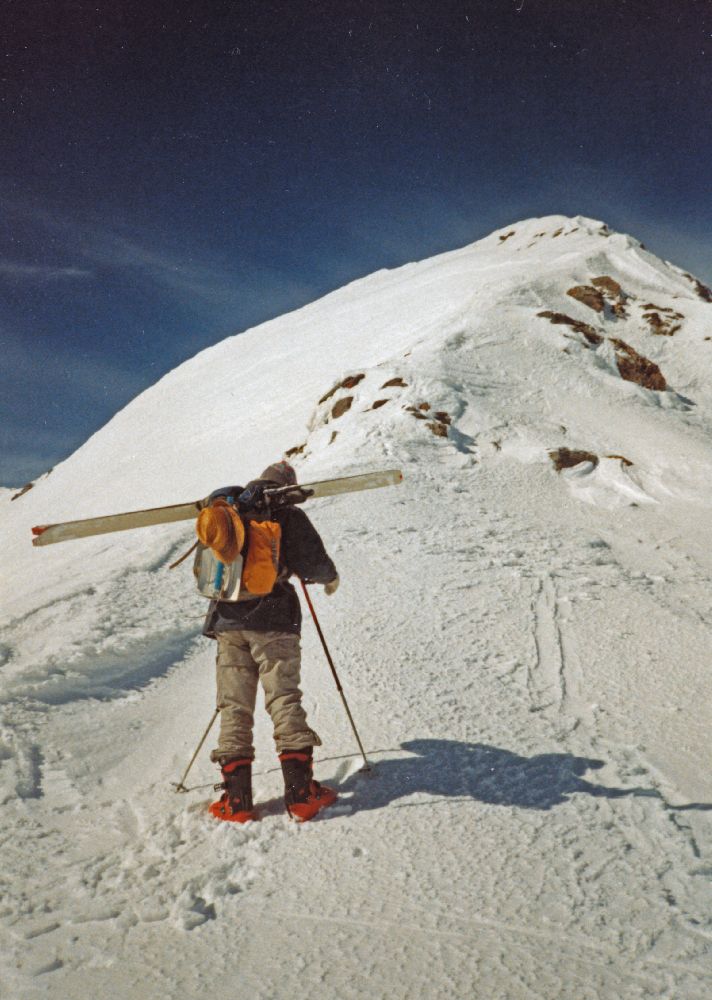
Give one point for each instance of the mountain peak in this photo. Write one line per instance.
(549, 323)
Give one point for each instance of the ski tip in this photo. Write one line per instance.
(39, 529)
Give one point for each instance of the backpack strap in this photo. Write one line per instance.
(185, 555)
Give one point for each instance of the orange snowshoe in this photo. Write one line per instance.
(304, 797)
(235, 804)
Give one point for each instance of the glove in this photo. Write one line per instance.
(330, 588)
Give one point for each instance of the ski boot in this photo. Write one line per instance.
(235, 804)
(303, 795)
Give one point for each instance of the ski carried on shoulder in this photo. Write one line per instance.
(48, 534)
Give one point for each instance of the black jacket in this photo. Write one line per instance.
(302, 552)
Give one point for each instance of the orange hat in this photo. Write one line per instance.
(220, 528)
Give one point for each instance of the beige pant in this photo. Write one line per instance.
(274, 658)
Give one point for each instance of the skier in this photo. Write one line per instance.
(260, 640)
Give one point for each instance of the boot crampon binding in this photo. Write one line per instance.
(303, 795)
(235, 804)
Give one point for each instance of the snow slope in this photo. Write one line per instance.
(525, 652)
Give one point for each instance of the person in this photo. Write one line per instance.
(259, 641)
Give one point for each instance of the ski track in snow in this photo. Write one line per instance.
(525, 656)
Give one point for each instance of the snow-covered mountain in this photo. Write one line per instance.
(523, 631)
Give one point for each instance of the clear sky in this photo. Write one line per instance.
(174, 172)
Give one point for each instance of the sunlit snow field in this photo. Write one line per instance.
(525, 652)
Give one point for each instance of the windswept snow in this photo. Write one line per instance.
(525, 652)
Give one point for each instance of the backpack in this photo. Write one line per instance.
(254, 570)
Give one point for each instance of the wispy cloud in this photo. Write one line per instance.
(175, 273)
(122, 248)
(48, 272)
(48, 371)
(225, 295)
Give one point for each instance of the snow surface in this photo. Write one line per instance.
(526, 654)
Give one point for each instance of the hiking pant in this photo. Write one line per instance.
(244, 656)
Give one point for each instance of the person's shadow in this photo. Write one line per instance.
(489, 774)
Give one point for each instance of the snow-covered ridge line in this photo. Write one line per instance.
(523, 629)
(206, 419)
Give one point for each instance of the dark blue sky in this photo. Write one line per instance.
(172, 173)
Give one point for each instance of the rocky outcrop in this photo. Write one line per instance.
(341, 406)
(348, 383)
(588, 332)
(702, 290)
(633, 367)
(589, 296)
(613, 294)
(608, 285)
(567, 458)
(663, 322)
(25, 489)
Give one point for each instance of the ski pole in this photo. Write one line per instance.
(366, 765)
(180, 787)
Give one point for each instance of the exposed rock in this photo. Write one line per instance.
(609, 285)
(438, 428)
(613, 294)
(21, 493)
(379, 402)
(341, 406)
(702, 290)
(621, 458)
(398, 381)
(561, 318)
(352, 381)
(296, 450)
(333, 437)
(663, 326)
(557, 233)
(506, 236)
(633, 367)
(589, 296)
(423, 406)
(348, 383)
(416, 412)
(566, 458)
(330, 393)
(443, 416)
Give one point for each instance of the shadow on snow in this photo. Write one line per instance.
(483, 773)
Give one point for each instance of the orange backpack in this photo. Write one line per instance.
(261, 560)
(237, 557)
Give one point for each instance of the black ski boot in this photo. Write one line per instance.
(303, 796)
(235, 804)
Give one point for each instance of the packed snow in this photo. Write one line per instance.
(525, 652)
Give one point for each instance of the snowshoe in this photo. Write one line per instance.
(235, 804)
(304, 797)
